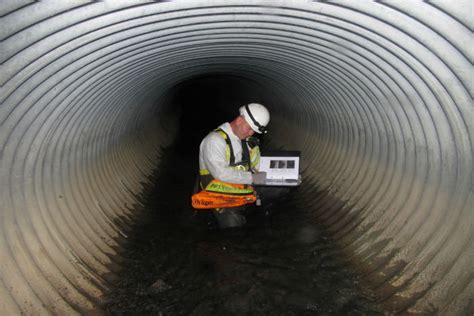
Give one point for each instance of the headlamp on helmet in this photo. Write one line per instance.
(256, 115)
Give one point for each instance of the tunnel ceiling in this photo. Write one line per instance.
(377, 96)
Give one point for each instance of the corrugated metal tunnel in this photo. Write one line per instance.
(377, 96)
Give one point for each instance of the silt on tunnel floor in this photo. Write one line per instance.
(281, 263)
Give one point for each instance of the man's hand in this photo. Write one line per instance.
(259, 178)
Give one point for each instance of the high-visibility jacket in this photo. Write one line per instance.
(216, 194)
(250, 157)
(212, 156)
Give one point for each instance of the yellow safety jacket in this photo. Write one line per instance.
(217, 194)
(250, 158)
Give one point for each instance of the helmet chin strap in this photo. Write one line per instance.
(260, 127)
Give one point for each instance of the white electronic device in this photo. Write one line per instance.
(282, 168)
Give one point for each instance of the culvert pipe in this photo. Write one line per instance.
(377, 96)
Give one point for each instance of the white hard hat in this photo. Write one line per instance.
(256, 115)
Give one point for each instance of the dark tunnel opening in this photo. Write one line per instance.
(207, 101)
(178, 262)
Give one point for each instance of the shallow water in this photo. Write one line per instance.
(281, 263)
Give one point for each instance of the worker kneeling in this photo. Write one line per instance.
(229, 159)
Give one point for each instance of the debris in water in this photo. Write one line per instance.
(161, 286)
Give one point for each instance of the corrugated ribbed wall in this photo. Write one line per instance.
(376, 95)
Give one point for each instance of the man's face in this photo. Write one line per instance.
(244, 130)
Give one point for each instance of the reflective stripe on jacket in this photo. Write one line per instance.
(250, 158)
(219, 194)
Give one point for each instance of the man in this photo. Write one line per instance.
(229, 154)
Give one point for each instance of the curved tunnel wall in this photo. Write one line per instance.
(376, 95)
